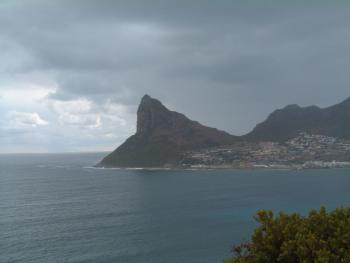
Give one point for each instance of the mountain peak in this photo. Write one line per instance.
(146, 98)
(150, 114)
(162, 137)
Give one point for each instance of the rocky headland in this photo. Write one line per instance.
(292, 137)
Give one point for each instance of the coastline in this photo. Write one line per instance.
(274, 167)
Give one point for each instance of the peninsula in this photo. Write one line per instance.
(292, 137)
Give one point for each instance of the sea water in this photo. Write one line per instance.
(56, 208)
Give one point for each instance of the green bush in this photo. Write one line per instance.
(322, 237)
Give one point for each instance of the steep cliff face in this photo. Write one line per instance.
(288, 122)
(151, 115)
(162, 136)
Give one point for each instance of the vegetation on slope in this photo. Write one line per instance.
(322, 237)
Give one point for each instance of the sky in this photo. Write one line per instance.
(72, 72)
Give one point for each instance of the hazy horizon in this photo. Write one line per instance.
(73, 72)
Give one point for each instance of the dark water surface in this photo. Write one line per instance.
(54, 209)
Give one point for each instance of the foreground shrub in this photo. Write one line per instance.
(290, 238)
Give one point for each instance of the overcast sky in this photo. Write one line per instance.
(73, 72)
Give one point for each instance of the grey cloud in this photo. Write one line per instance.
(225, 63)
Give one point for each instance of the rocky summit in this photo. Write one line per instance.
(161, 138)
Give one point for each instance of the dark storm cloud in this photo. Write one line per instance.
(225, 63)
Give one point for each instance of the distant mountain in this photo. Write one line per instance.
(290, 121)
(161, 136)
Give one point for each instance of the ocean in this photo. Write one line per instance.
(56, 208)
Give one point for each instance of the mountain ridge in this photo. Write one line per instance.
(286, 123)
(163, 135)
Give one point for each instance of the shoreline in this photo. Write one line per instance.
(211, 168)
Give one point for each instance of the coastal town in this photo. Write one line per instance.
(306, 151)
